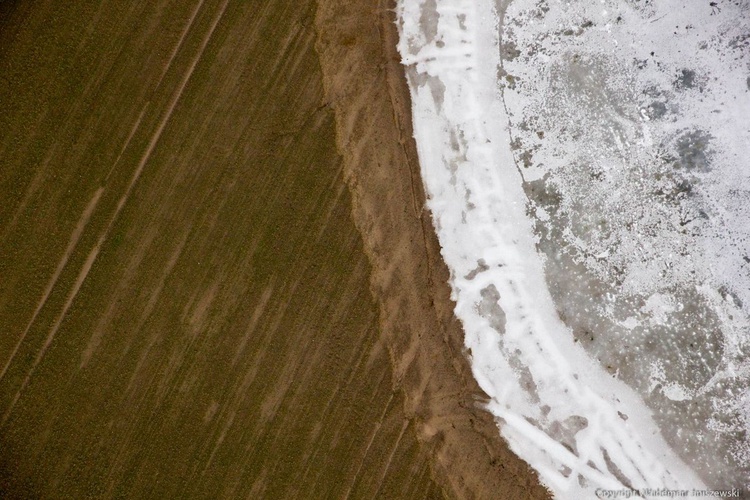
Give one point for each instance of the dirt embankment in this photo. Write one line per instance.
(365, 85)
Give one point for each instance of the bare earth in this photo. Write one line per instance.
(188, 308)
(366, 87)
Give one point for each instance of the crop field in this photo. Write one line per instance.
(184, 298)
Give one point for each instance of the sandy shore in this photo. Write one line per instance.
(366, 87)
(217, 277)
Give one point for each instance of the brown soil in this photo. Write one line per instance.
(184, 296)
(365, 85)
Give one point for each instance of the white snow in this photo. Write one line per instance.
(570, 416)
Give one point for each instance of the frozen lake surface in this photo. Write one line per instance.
(588, 173)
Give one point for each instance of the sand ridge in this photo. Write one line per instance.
(365, 85)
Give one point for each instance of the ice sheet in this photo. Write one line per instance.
(563, 408)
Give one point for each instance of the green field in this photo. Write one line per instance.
(184, 301)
